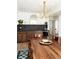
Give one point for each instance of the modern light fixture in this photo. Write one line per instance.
(44, 8)
(43, 14)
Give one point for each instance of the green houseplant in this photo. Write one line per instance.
(20, 21)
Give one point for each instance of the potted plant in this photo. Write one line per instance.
(20, 21)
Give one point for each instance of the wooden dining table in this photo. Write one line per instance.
(52, 51)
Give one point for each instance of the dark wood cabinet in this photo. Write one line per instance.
(27, 32)
(24, 36)
(21, 37)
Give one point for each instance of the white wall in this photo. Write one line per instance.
(24, 16)
(58, 25)
(28, 20)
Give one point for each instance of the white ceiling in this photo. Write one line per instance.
(36, 6)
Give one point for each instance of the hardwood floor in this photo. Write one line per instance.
(46, 52)
(22, 45)
(43, 51)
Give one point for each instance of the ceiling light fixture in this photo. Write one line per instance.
(44, 15)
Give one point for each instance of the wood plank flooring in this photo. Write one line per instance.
(22, 45)
(45, 52)
(42, 51)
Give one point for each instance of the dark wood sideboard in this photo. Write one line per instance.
(21, 37)
(24, 36)
(26, 32)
